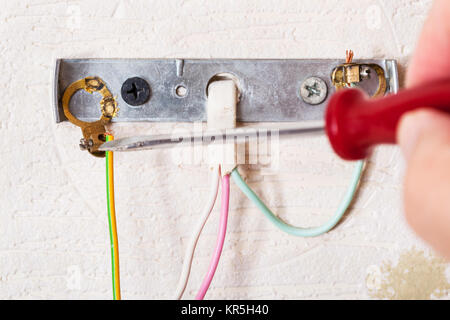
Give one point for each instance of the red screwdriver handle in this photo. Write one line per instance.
(355, 123)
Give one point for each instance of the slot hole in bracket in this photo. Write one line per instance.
(225, 76)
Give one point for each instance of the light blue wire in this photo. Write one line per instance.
(298, 231)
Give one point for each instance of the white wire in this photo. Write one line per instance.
(187, 263)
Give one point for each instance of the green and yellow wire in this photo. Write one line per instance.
(112, 222)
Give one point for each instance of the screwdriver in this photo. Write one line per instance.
(354, 123)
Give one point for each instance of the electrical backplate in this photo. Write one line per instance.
(175, 90)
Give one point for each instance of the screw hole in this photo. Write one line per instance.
(181, 91)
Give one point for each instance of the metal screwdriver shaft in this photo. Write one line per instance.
(217, 136)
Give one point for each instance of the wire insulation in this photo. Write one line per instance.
(112, 222)
(298, 231)
(220, 239)
(187, 263)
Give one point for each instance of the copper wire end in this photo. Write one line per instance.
(348, 56)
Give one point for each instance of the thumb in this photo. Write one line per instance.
(428, 124)
(424, 137)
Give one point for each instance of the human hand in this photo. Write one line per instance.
(424, 137)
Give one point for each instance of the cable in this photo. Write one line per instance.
(186, 269)
(348, 56)
(112, 222)
(220, 239)
(298, 231)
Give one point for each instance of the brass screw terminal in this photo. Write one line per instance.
(93, 132)
(350, 73)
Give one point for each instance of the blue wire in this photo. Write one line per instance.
(298, 231)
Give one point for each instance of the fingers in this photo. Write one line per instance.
(424, 136)
(422, 123)
(431, 60)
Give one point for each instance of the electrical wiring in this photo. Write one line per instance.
(225, 200)
(112, 222)
(349, 56)
(298, 231)
(187, 263)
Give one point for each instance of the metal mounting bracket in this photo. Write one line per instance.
(270, 90)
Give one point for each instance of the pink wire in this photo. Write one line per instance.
(220, 238)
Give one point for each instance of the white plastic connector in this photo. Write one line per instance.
(221, 110)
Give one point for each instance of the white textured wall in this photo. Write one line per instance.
(53, 222)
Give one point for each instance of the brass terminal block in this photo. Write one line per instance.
(93, 132)
(349, 74)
